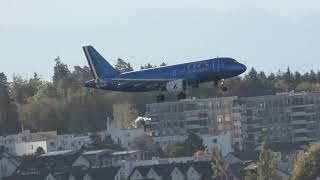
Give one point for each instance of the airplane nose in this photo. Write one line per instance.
(242, 68)
(238, 68)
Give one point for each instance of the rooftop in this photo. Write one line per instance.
(101, 151)
(124, 152)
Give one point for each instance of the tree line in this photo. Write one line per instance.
(64, 105)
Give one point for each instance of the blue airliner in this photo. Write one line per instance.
(173, 78)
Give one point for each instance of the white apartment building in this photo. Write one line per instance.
(221, 142)
(125, 136)
(27, 143)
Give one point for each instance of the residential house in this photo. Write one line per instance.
(242, 157)
(94, 159)
(110, 173)
(8, 164)
(134, 155)
(51, 162)
(181, 171)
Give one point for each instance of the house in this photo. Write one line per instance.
(241, 157)
(178, 172)
(110, 173)
(252, 170)
(51, 162)
(27, 143)
(134, 155)
(8, 164)
(199, 171)
(181, 171)
(42, 176)
(139, 172)
(94, 159)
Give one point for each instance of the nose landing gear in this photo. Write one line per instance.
(223, 88)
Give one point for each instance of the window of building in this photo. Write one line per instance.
(215, 141)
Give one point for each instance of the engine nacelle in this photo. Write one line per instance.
(176, 86)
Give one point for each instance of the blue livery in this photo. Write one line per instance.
(173, 78)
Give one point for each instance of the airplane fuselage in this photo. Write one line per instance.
(193, 73)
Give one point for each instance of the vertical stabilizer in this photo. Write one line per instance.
(100, 68)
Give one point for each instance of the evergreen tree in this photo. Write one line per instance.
(221, 169)
(9, 123)
(192, 144)
(266, 166)
(123, 66)
(61, 78)
(163, 64)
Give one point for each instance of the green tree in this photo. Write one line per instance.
(163, 64)
(107, 143)
(220, 168)
(123, 66)
(307, 167)
(39, 151)
(124, 114)
(147, 66)
(146, 143)
(61, 78)
(175, 150)
(9, 123)
(192, 144)
(266, 165)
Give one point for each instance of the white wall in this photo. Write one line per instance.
(223, 143)
(126, 136)
(28, 148)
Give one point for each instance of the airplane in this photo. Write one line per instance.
(172, 78)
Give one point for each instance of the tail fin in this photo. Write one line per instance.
(100, 68)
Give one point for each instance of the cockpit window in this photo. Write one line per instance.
(230, 61)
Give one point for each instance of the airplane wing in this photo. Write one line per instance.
(148, 83)
(141, 80)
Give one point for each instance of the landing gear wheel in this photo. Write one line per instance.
(216, 83)
(160, 98)
(224, 89)
(181, 95)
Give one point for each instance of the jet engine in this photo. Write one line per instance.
(176, 86)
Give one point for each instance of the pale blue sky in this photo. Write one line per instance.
(268, 35)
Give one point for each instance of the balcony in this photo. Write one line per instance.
(300, 139)
(300, 130)
(299, 113)
(299, 122)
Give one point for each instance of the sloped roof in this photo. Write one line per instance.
(246, 155)
(164, 170)
(96, 152)
(27, 177)
(36, 164)
(102, 173)
(204, 168)
(142, 169)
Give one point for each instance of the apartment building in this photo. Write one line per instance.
(26, 143)
(213, 116)
(281, 119)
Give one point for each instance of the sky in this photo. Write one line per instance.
(265, 34)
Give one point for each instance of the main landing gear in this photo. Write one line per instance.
(223, 88)
(181, 95)
(160, 97)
